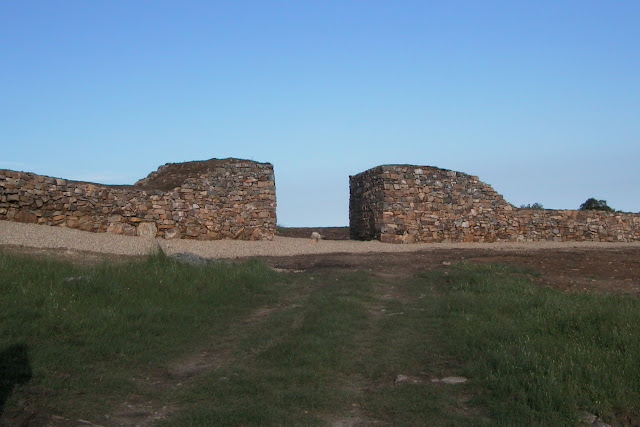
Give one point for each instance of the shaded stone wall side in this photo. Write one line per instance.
(235, 201)
(438, 205)
(365, 205)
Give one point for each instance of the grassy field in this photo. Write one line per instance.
(310, 348)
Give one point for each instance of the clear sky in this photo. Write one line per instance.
(540, 99)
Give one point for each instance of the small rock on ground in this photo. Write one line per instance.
(450, 380)
(401, 379)
(591, 419)
(406, 379)
(192, 259)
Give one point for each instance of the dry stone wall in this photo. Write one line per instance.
(366, 205)
(405, 203)
(207, 200)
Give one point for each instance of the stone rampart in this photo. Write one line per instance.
(405, 203)
(207, 200)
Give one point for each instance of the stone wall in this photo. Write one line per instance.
(207, 200)
(366, 205)
(396, 203)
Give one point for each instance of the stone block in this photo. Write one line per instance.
(147, 229)
(26, 216)
(172, 233)
(73, 222)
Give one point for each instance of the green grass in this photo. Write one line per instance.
(281, 228)
(328, 349)
(89, 331)
(315, 361)
(295, 366)
(538, 355)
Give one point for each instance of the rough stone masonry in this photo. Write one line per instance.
(396, 203)
(208, 200)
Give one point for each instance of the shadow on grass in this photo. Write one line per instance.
(14, 370)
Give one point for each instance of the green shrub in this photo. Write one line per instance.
(595, 205)
(532, 206)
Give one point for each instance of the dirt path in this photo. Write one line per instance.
(140, 410)
(604, 269)
(57, 238)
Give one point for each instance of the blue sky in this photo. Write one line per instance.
(540, 99)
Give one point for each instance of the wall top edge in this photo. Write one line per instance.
(187, 169)
(391, 167)
(221, 162)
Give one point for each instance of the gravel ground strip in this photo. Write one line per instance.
(43, 236)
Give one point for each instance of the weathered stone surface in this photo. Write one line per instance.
(591, 419)
(212, 199)
(408, 238)
(400, 379)
(406, 379)
(23, 216)
(259, 234)
(453, 380)
(172, 233)
(587, 417)
(404, 203)
(116, 227)
(73, 222)
(147, 229)
(129, 230)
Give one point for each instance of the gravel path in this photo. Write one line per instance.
(42, 236)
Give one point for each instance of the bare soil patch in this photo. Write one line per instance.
(578, 269)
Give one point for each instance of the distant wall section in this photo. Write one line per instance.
(390, 202)
(207, 200)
